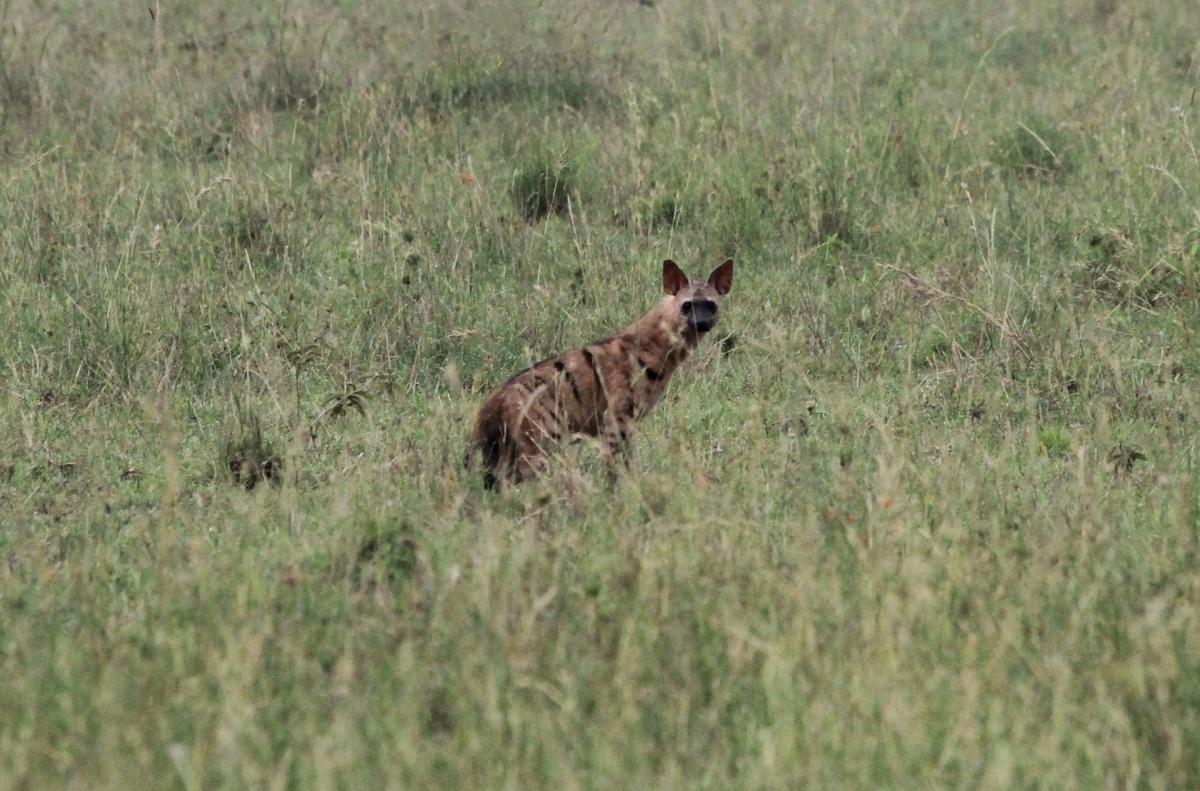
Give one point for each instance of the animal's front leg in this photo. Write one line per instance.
(618, 446)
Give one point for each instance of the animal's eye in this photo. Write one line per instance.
(709, 306)
(687, 308)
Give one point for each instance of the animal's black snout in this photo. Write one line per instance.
(701, 314)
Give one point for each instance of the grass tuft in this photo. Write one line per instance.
(525, 84)
(1035, 149)
(247, 458)
(544, 185)
(257, 232)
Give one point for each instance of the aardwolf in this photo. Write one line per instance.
(599, 390)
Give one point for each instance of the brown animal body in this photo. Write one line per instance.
(600, 390)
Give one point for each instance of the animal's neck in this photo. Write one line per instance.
(657, 341)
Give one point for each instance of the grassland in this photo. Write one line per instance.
(926, 516)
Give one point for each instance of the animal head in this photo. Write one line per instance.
(694, 306)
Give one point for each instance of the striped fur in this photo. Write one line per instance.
(600, 390)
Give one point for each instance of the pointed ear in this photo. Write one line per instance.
(673, 277)
(722, 277)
